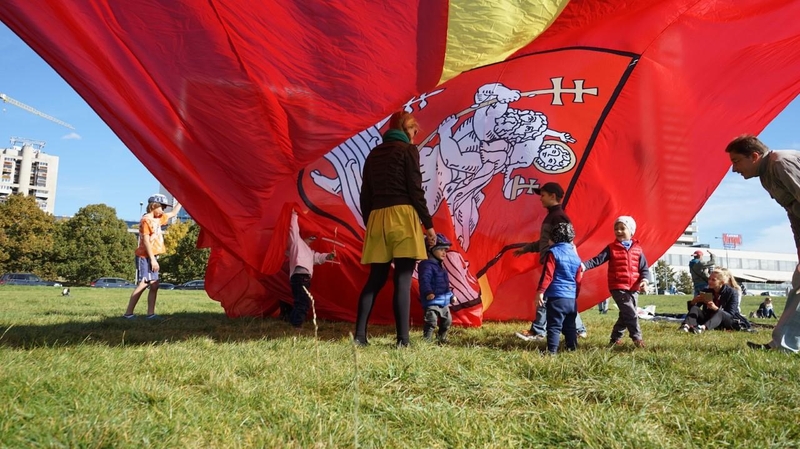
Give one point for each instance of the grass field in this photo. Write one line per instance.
(74, 374)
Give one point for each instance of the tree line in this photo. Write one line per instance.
(96, 243)
(666, 277)
(92, 244)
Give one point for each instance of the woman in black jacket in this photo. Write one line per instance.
(392, 206)
(716, 306)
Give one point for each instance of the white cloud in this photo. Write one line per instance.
(776, 239)
(72, 136)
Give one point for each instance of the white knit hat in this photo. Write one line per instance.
(628, 221)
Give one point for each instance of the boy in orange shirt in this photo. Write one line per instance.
(151, 244)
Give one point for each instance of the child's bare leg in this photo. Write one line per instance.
(137, 292)
(151, 298)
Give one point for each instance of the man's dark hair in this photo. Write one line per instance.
(552, 188)
(746, 145)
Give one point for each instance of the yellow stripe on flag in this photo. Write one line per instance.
(481, 32)
(487, 296)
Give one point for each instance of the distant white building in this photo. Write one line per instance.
(759, 271)
(27, 170)
(747, 266)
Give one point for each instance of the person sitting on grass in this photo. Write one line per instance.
(434, 291)
(716, 307)
(627, 275)
(765, 310)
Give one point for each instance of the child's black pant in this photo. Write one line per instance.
(301, 298)
(437, 316)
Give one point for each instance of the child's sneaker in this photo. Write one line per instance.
(529, 336)
(638, 343)
(698, 329)
(153, 317)
(613, 343)
(684, 328)
(129, 317)
(583, 334)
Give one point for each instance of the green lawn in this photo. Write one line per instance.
(74, 374)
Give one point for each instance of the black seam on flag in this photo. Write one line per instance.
(466, 305)
(319, 211)
(589, 145)
(633, 56)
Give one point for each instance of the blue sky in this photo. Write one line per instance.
(96, 167)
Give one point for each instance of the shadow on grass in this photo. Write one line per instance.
(118, 331)
(505, 342)
(185, 326)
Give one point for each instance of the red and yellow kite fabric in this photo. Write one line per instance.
(241, 107)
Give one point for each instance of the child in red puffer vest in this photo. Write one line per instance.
(628, 273)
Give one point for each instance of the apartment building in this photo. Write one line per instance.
(28, 170)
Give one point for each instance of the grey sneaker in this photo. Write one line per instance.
(129, 317)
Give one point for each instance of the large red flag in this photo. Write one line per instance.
(239, 108)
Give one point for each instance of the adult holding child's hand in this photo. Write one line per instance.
(392, 206)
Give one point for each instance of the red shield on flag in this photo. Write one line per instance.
(491, 136)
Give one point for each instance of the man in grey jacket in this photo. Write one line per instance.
(779, 172)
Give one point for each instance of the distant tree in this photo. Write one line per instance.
(175, 232)
(188, 262)
(26, 237)
(95, 243)
(665, 275)
(685, 282)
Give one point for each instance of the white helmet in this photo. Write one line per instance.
(160, 199)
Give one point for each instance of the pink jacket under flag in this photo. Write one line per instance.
(300, 254)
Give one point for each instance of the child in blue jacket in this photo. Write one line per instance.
(434, 290)
(560, 284)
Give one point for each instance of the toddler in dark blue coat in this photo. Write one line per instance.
(434, 290)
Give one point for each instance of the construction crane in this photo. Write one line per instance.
(7, 99)
(37, 145)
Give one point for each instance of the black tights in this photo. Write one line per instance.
(401, 301)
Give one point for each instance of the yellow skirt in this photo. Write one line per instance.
(393, 232)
